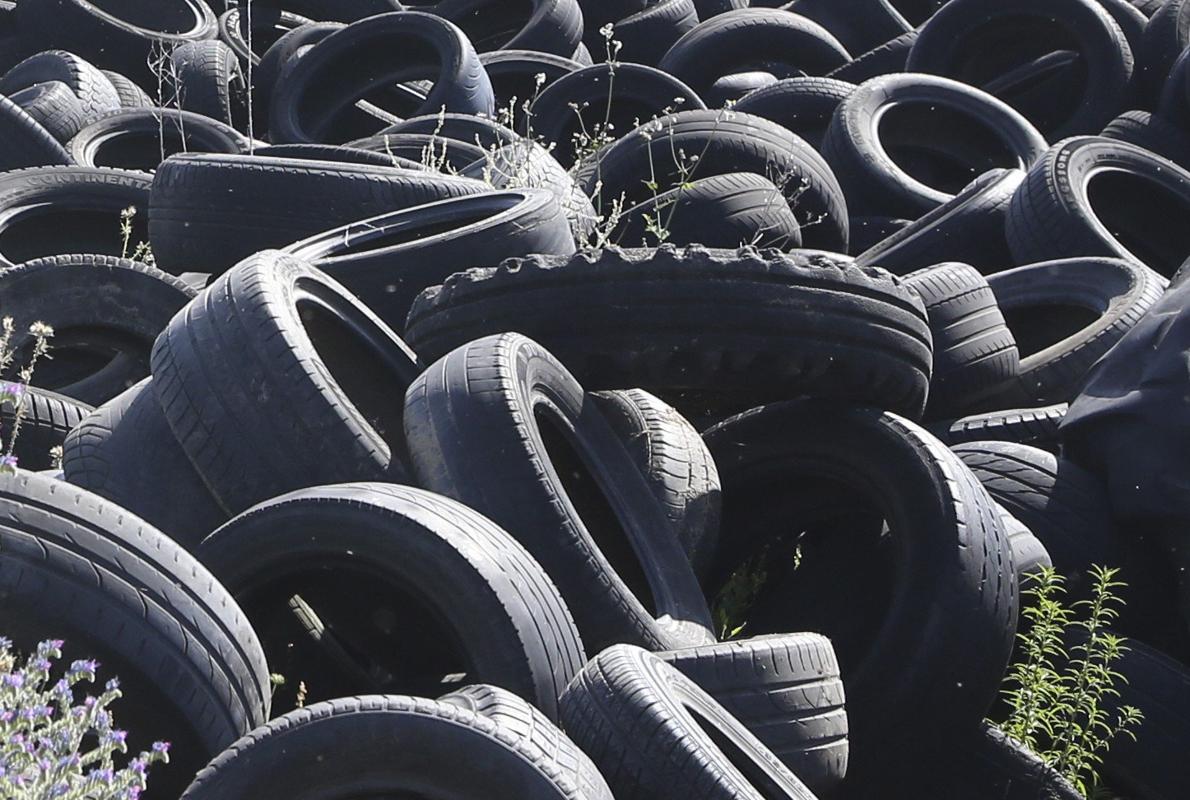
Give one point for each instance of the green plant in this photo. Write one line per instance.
(14, 393)
(52, 746)
(143, 252)
(1058, 689)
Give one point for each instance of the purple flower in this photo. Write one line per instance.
(117, 737)
(86, 667)
(13, 680)
(161, 747)
(12, 390)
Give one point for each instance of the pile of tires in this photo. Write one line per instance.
(596, 398)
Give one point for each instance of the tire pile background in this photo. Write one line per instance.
(380, 419)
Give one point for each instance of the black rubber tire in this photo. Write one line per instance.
(655, 735)
(141, 138)
(46, 418)
(710, 8)
(1054, 215)
(253, 423)
(783, 44)
(532, 728)
(1166, 36)
(1028, 553)
(972, 133)
(436, 153)
(952, 566)
(94, 91)
(513, 74)
(886, 59)
(269, 25)
(802, 105)
(208, 212)
(205, 77)
(53, 106)
(670, 454)
(481, 132)
(346, 746)
(544, 26)
(867, 232)
(1153, 133)
(130, 93)
(387, 261)
(786, 690)
(336, 153)
(567, 490)
(974, 350)
(969, 40)
(399, 569)
(313, 103)
(725, 91)
(1065, 315)
(1061, 503)
(988, 765)
(968, 228)
(686, 324)
(276, 59)
(647, 35)
(122, 35)
(1159, 686)
(47, 211)
(724, 211)
(124, 451)
(725, 142)
(859, 25)
(79, 568)
(105, 312)
(27, 143)
(1037, 427)
(613, 98)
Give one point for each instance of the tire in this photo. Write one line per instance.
(517, 718)
(670, 454)
(989, 765)
(1166, 36)
(336, 153)
(141, 138)
(484, 133)
(725, 142)
(1159, 687)
(52, 106)
(868, 232)
(647, 35)
(1028, 553)
(802, 105)
(725, 211)
(313, 103)
(269, 25)
(402, 569)
(551, 26)
(52, 211)
(81, 569)
(1062, 504)
(205, 78)
(808, 463)
(685, 324)
(567, 488)
(968, 228)
(131, 95)
(527, 164)
(121, 41)
(787, 45)
(1152, 133)
(438, 153)
(786, 690)
(974, 350)
(1065, 315)
(105, 313)
(967, 40)
(513, 74)
(886, 59)
(859, 25)
(95, 92)
(613, 99)
(45, 420)
(125, 452)
(655, 734)
(356, 735)
(27, 143)
(887, 170)
(253, 425)
(1037, 427)
(276, 59)
(1054, 214)
(387, 261)
(209, 212)
(725, 91)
